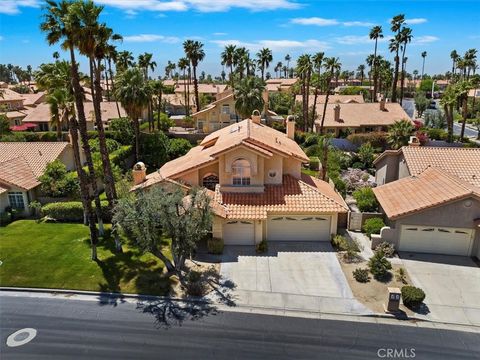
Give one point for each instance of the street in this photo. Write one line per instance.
(102, 328)
(469, 132)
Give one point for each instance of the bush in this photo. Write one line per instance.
(387, 248)
(215, 246)
(193, 284)
(373, 226)
(314, 163)
(358, 165)
(379, 265)
(178, 147)
(437, 134)
(56, 181)
(340, 185)
(71, 211)
(361, 275)
(262, 247)
(123, 132)
(165, 122)
(412, 296)
(119, 157)
(376, 139)
(366, 154)
(340, 242)
(366, 200)
(401, 276)
(154, 149)
(112, 145)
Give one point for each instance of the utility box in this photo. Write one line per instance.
(394, 295)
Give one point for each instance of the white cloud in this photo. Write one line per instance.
(151, 38)
(358, 23)
(314, 21)
(415, 21)
(425, 39)
(200, 5)
(358, 39)
(276, 45)
(219, 34)
(12, 7)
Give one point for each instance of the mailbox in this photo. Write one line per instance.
(394, 295)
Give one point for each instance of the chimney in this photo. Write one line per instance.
(291, 127)
(336, 111)
(382, 104)
(414, 141)
(139, 173)
(256, 117)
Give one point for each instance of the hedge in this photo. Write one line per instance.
(71, 211)
(119, 157)
(377, 139)
(373, 226)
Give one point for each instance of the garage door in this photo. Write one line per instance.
(238, 233)
(437, 240)
(298, 228)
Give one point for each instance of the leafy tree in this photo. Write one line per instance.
(421, 103)
(154, 149)
(366, 200)
(150, 215)
(4, 125)
(426, 86)
(111, 144)
(177, 148)
(399, 133)
(280, 103)
(56, 181)
(123, 131)
(164, 122)
(366, 154)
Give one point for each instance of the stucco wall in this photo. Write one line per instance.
(256, 165)
(215, 115)
(402, 167)
(273, 166)
(292, 166)
(387, 170)
(207, 170)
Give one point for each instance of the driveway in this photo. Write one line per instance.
(295, 275)
(451, 285)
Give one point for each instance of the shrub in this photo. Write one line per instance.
(366, 154)
(165, 122)
(314, 163)
(120, 156)
(340, 185)
(154, 149)
(401, 276)
(366, 200)
(339, 242)
(36, 208)
(437, 134)
(412, 296)
(379, 265)
(376, 139)
(351, 252)
(358, 165)
(122, 130)
(71, 211)
(5, 218)
(215, 246)
(262, 247)
(373, 226)
(361, 275)
(178, 147)
(193, 284)
(112, 145)
(56, 181)
(387, 248)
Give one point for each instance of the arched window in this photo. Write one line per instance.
(241, 172)
(209, 181)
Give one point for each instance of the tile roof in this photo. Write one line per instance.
(33, 99)
(17, 172)
(292, 196)
(282, 82)
(202, 88)
(36, 154)
(10, 95)
(333, 99)
(213, 105)
(358, 115)
(430, 188)
(463, 163)
(177, 99)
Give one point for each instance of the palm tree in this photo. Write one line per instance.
(405, 37)
(287, 59)
(58, 100)
(183, 66)
(454, 56)
(424, 55)
(396, 27)
(470, 58)
(157, 89)
(60, 26)
(133, 93)
(361, 73)
(124, 60)
(331, 65)
(228, 58)
(195, 53)
(399, 133)
(278, 69)
(375, 34)
(111, 54)
(317, 61)
(264, 58)
(241, 61)
(248, 96)
(304, 70)
(145, 62)
(56, 55)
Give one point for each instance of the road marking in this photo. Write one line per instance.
(21, 337)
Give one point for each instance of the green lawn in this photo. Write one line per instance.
(310, 172)
(54, 255)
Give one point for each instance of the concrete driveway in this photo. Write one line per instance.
(451, 285)
(302, 276)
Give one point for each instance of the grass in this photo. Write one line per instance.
(57, 255)
(310, 172)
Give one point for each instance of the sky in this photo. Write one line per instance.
(338, 28)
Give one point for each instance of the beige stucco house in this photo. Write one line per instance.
(431, 199)
(216, 115)
(253, 175)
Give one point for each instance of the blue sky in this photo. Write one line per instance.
(339, 28)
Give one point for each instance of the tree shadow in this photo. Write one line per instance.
(222, 288)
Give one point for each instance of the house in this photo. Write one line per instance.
(253, 176)
(216, 115)
(431, 199)
(212, 90)
(22, 163)
(474, 93)
(175, 103)
(280, 85)
(332, 99)
(11, 100)
(359, 118)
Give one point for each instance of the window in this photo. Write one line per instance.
(16, 200)
(43, 127)
(18, 122)
(225, 109)
(210, 181)
(241, 172)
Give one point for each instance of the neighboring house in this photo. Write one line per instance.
(332, 99)
(280, 85)
(216, 115)
(41, 115)
(474, 93)
(359, 118)
(21, 164)
(253, 175)
(175, 103)
(11, 100)
(208, 89)
(431, 199)
(33, 100)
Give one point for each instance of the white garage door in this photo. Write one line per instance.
(298, 228)
(437, 240)
(238, 232)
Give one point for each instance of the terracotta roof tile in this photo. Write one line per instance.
(430, 188)
(18, 172)
(333, 99)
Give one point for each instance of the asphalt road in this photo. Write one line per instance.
(457, 128)
(71, 329)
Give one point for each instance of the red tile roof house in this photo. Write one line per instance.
(431, 199)
(21, 164)
(253, 175)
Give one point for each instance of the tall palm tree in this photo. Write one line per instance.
(331, 65)
(287, 59)
(470, 58)
(396, 27)
(375, 34)
(157, 88)
(241, 61)
(145, 62)
(124, 60)
(264, 58)
(424, 55)
(228, 58)
(195, 53)
(60, 25)
(278, 69)
(58, 99)
(249, 96)
(405, 38)
(183, 66)
(111, 54)
(317, 61)
(369, 61)
(133, 92)
(304, 70)
(361, 72)
(454, 56)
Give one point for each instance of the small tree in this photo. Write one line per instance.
(164, 122)
(148, 215)
(366, 200)
(421, 103)
(366, 154)
(379, 265)
(4, 125)
(399, 133)
(123, 130)
(56, 181)
(178, 147)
